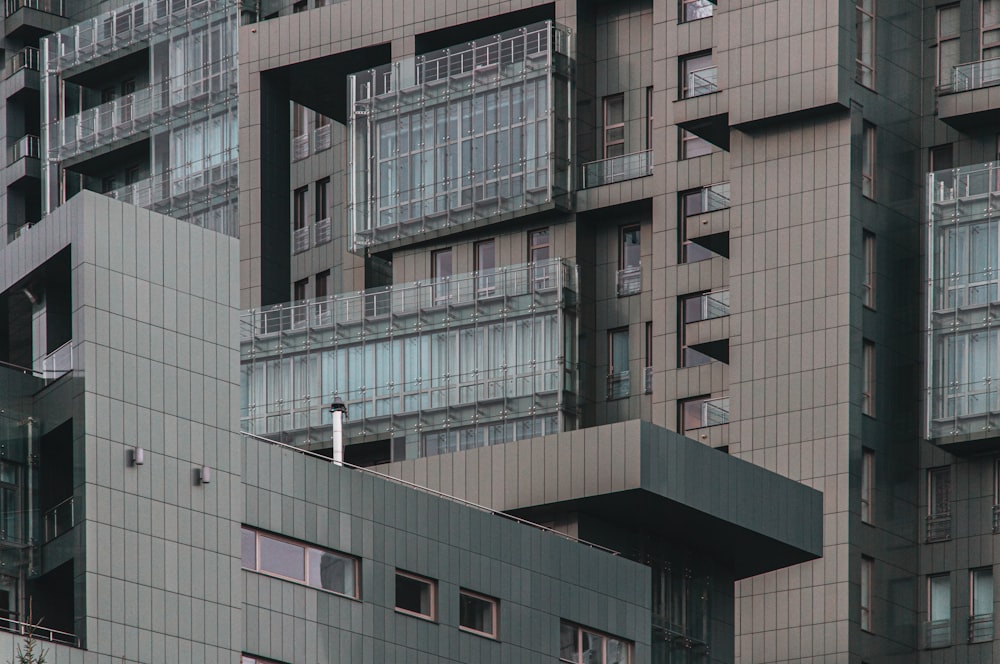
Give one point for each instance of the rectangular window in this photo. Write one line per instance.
(629, 280)
(485, 258)
(989, 41)
(322, 284)
(940, 157)
(938, 611)
(614, 126)
(300, 290)
(868, 160)
(698, 75)
(867, 576)
(321, 210)
(693, 145)
(649, 118)
(692, 10)
(865, 37)
(867, 484)
(701, 412)
(981, 589)
(478, 613)
(948, 51)
(579, 645)
(416, 595)
(618, 375)
(939, 491)
(868, 378)
(299, 208)
(441, 271)
(868, 269)
(539, 253)
(297, 561)
(649, 358)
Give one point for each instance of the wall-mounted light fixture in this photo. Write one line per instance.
(138, 456)
(205, 475)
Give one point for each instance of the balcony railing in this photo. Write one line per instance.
(702, 82)
(939, 527)
(619, 385)
(59, 520)
(26, 146)
(701, 413)
(648, 380)
(26, 58)
(322, 138)
(300, 240)
(617, 169)
(58, 362)
(300, 147)
(937, 633)
(973, 75)
(323, 231)
(629, 280)
(706, 306)
(47, 6)
(996, 519)
(955, 184)
(981, 628)
(38, 633)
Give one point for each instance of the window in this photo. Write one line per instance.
(300, 231)
(981, 605)
(938, 504)
(938, 611)
(701, 412)
(322, 284)
(868, 378)
(618, 376)
(649, 118)
(629, 261)
(692, 10)
(297, 561)
(614, 126)
(989, 41)
(321, 210)
(107, 184)
(649, 358)
(693, 203)
(441, 271)
(698, 75)
(868, 269)
(578, 645)
(865, 37)
(300, 289)
(867, 575)
(695, 308)
(948, 53)
(485, 265)
(867, 484)
(538, 252)
(416, 595)
(693, 145)
(868, 160)
(477, 613)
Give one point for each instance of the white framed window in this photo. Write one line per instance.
(868, 269)
(868, 378)
(868, 154)
(865, 38)
(867, 484)
(579, 645)
(867, 577)
(416, 595)
(300, 562)
(478, 613)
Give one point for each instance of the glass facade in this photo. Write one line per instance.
(964, 346)
(172, 116)
(461, 134)
(431, 374)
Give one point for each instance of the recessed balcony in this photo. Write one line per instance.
(617, 169)
(972, 97)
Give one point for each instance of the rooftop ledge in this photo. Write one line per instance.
(643, 476)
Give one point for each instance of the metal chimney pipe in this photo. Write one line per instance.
(339, 411)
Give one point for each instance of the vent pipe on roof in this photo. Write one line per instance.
(339, 411)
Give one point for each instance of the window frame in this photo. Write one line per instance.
(321, 200)
(306, 549)
(972, 590)
(933, 476)
(984, 29)
(609, 126)
(869, 264)
(869, 154)
(867, 596)
(579, 631)
(442, 282)
(865, 16)
(649, 117)
(685, 17)
(868, 377)
(300, 212)
(430, 583)
(495, 622)
(486, 276)
(867, 485)
(946, 576)
(685, 139)
(619, 376)
(684, 87)
(940, 40)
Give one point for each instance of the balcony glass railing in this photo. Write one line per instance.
(629, 280)
(617, 169)
(26, 58)
(619, 385)
(58, 362)
(981, 628)
(323, 231)
(48, 6)
(939, 527)
(300, 240)
(432, 365)
(648, 380)
(706, 306)
(26, 146)
(700, 413)
(973, 75)
(322, 138)
(59, 520)
(937, 633)
(702, 82)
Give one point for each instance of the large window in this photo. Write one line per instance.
(981, 605)
(867, 484)
(868, 155)
(868, 269)
(297, 561)
(868, 377)
(938, 611)
(618, 374)
(948, 32)
(478, 613)
(700, 412)
(485, 266)
(867, 576)
(416, 595)
(629, 280)
(614, 126)
(865, 37)
(579, 645)
(938, 504)
(441, 271)
(698, 75)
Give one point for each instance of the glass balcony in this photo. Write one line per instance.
(972, 76)
(617, 169)
(26, 58)
(323, 231)
(434, 365)
(300, 240)
(26, 146)
(459, 135)
(59, 520)
(322, 138)
(702, 82)
(619, 385)
(58, 362)
(629, 281)
(48, 6)
(939, 527)
(706, 306)
(701, 413)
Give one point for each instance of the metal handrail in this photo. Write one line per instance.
(435, 492)
(54, 526)
(26, 58)
(618, 169)
(38, 632)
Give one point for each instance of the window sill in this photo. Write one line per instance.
(476, 632)
(414, 614)
(289, 579)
